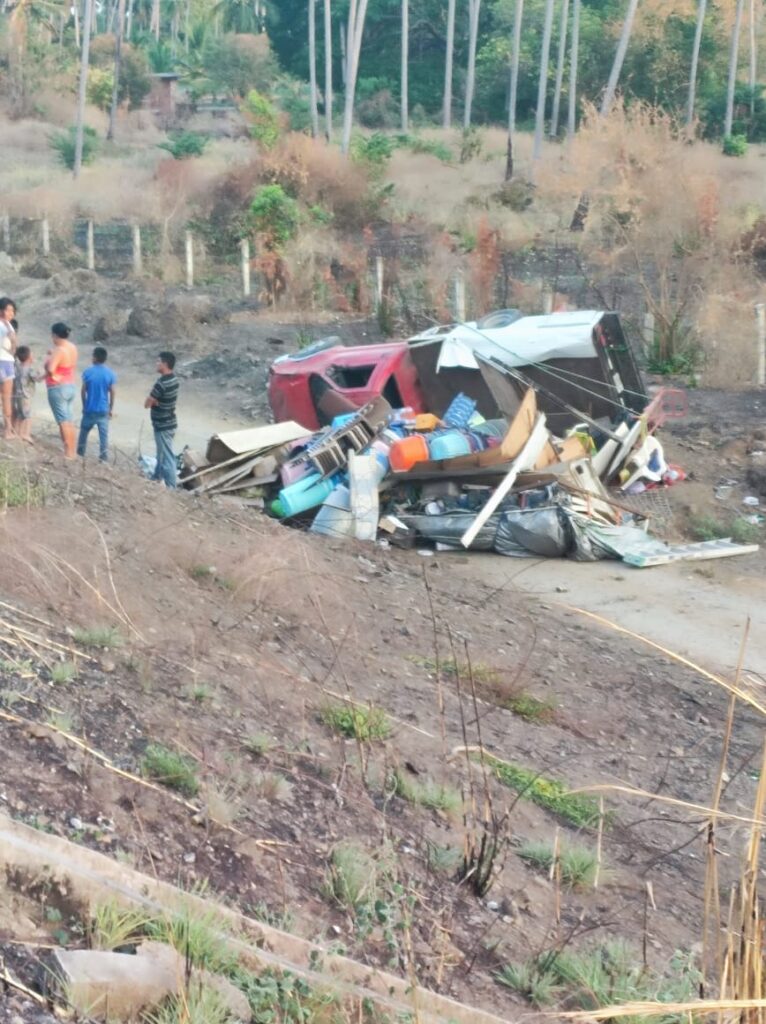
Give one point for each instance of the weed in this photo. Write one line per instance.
(443, 860)
(201, 572)
(352, 876)
(529, 981)
(19, 490)
(531, 709)
(64, 721)
(272, 786)
(433, 147)
(259, 745)
(281, 919)
(171, 769)
(735, 145)
(582, 811)
(198, 937)
(200, 693)
(743, 531)
(113, 926)
(706, 527)
(471, 144)
(222, 803)
(280, 996)
(578, 864)
(434, 795)
(197, 1005)
(107, 637)
(354, 722)
(63, 672)
(605, 975)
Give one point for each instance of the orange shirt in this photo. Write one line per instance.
(61, 365)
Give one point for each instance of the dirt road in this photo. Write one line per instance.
(697, 611)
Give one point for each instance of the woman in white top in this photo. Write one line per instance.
(7, 363)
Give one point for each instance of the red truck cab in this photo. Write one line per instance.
(359, 374)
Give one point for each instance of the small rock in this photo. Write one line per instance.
(190, 858)
(75, 823)
(108, 665)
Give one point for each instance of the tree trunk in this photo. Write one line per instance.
(515, 57)
(187, 25)
(343, 64)
(154, 27)
(474, 7)
(82, 87)
(447, 103)
(356, 15)
(733, 62)
(405, 97)
(328, 69)
(117, 67)
(313, 68)
(701, 11)
(619, 58)
(560, 68)
(542, 82)
(509, 158)
(574, 58)
(129, 32)
(76, 10)
(753, 59)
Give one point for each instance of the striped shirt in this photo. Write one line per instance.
(163, 414)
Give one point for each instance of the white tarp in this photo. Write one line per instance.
(532, 339)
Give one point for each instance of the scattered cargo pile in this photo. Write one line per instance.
(458, 481)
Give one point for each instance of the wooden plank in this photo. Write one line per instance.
(526, 459)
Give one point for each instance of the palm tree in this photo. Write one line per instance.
(82, 87)
(26, 16)
(470, 82)
(701, 10)
(154, 25)
(447, 104)
(117, 67)
(619, 58)
(542, 82)
(328, 69)
(313, 68)
(405, 98)
(518, 14)
(573, 62)
(733, 63)
(356, 15)
(560, 68)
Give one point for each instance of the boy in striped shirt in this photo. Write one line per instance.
(162, 405)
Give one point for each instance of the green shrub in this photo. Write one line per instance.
(100, 88)
(434, 795)
(275, 214)
(374, 150)
(578, 864)
(433, 147)
(582, 811)
(64, 144)
(735, 145)
(360, 723)
(263, 117)
(171, 769)
(184, 145)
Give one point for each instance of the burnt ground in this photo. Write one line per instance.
(231, 627)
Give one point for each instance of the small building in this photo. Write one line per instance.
(163, 99)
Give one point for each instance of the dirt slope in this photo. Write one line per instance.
(235, 632)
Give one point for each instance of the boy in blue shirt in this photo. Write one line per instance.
(97, 402)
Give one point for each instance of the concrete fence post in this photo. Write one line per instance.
(648, 334)
(90, 247)
(45, 236)
(138, 262)
(244, 247)
(760, 323)
(547, 299)
(460, 297)
(189, 260)
(378, 282)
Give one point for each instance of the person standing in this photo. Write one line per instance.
(7, 363)
(97, 403)
(162, 403)
(60, 368)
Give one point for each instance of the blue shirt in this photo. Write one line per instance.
(97, 379)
